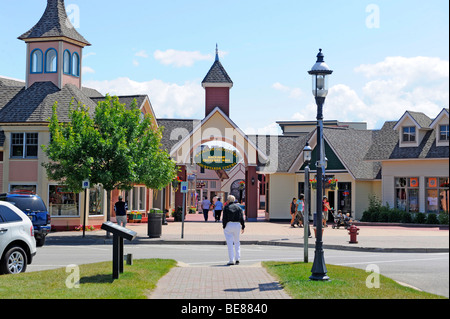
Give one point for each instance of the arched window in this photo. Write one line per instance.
(51, 61)
(76, 64)
(36, 61)
(67, 62)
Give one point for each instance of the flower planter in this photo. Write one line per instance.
(135, 218)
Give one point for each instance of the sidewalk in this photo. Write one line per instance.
(253, 282)
(196, 231)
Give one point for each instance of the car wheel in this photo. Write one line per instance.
(15, 261)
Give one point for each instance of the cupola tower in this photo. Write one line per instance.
(217, 86)
(54, 48)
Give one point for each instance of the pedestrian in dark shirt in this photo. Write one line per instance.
(121, 212)
(233, 224)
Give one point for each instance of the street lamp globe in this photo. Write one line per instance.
(319, 73)
(307, 150)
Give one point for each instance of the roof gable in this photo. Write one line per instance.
(217, 125)
(420, 120)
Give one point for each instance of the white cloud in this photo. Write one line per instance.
(270, 129)
(393, 86)
(294, 93)
(398, 84)
(87, 69)
(182, 58)
(142, 54)
(168, 99)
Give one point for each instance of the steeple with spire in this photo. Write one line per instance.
(54, 48)
(217, 85)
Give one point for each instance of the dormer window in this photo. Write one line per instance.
(444, 133)
(409, 134)
(51, 61)
(36, 61)
(67, 62)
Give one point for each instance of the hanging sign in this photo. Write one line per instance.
(216, 158)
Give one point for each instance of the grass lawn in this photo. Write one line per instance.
(95, 282)
(345, 283)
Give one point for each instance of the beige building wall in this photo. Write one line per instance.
(284, 186)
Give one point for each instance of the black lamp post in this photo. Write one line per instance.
(306, 159)
(319, 72)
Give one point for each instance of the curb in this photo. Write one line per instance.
(105, 241)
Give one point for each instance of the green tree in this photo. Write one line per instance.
(113, 145)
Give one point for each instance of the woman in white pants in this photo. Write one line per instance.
(233, 224)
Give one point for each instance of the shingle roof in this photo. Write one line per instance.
(351, 146)
(217, 74)
(281, 150)
(175, 130)
(7, 93)
(10, 82)
(386, 146)
(54, 23)
(34, 105)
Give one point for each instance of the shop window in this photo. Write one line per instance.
(24, 145)
(409, 134)
(36, 61)
(95, 200)
(135, 198)
(61, 202)
(345, 197)
(51, 61)
(437, 194)
(407, 194)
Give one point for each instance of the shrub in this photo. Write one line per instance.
(406, 217)
(420, 218)
(443, 218)
(367, 216)
(432, 219)
(395, 216)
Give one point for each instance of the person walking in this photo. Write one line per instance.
(120, 208)
(293, 211)
(300, 208)
(325, 209)
(233, 224)
(206, 205)
(218, 206)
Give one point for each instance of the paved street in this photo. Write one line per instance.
(426, 271)
(416, 256)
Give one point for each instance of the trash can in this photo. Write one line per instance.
(154, 226)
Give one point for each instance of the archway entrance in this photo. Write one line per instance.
(230, 156)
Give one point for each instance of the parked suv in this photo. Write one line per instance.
(17, 245)
(33, 206)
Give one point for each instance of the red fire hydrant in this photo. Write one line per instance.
(353, 232)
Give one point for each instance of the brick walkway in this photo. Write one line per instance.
(218, 282)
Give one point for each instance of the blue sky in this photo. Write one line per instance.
(388, 56)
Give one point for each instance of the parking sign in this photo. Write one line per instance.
(184, 187)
